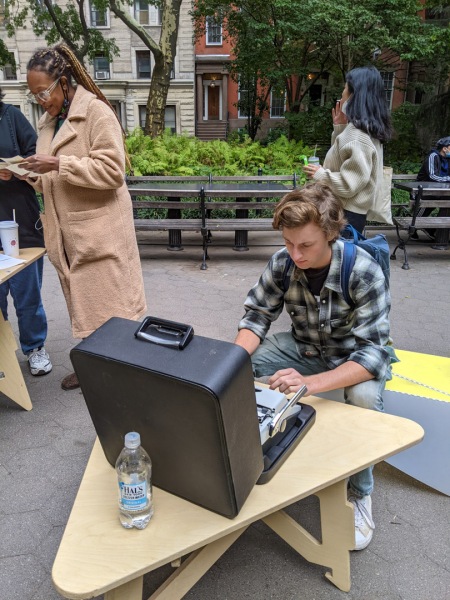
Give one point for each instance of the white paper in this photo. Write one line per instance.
(12, 164)
(6, 262)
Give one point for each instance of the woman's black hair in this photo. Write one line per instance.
(367, 107)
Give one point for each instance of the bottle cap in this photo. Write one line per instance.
(132, 440)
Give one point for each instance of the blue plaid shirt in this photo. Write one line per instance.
(329, 328)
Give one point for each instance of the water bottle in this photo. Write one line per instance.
(134, 471)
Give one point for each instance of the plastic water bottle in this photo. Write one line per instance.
(134, 471)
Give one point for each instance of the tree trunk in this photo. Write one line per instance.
(163, 53)
(157, 97)
(159, 87)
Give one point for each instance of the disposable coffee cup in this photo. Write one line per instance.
(314, 160)
(9, 236)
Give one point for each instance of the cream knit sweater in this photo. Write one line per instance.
(353, 168)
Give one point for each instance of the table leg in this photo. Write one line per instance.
(338, 534)
(128, 591)
(193, 568)
(441, 236)
(12, 384)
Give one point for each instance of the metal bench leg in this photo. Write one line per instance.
(401, 244)
(405, 265)
(204, 266)
(204, 230)
(175, 243)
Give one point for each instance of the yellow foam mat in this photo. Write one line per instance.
(433, 371)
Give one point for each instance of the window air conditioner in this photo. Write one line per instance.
(101, 75)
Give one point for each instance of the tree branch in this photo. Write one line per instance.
(132, 24)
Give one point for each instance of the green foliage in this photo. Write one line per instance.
(403, 152)
(314, 126)
(183, 155)
(61, 23)
(5, 56)
(285, 41)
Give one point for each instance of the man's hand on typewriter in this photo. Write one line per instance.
(288, 381)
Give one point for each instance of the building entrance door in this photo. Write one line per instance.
(213, 103)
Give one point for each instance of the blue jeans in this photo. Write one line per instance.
(279, 351)
(25, 289)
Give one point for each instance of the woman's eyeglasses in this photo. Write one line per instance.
(43, 96)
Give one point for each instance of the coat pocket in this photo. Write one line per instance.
(92, 235)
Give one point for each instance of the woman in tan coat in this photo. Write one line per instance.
(88, 219)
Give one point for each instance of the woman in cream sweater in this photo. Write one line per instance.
(353, 166)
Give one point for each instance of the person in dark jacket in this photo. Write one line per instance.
(436, 167)
(17, 137)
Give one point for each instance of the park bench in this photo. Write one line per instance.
(174, 197)
(208, 195)
(426, 197)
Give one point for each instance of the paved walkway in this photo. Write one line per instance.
(43, 452)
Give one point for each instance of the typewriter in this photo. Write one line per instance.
(283, 422)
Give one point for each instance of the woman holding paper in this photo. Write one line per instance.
(18, 202)
(88, 218)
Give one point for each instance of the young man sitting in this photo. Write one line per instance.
(331, 345)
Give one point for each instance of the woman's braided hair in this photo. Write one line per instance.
(61, 61)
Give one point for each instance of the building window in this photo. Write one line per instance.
(213, 31)
(99, 17)
(9, 70)
(142, 113)
(170, 119)
(245, 96)
(388, 82)
(147, 14)
(143, 64)
(277, 104)
(101, 68)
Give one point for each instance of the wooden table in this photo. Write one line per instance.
(97, 555)
(443, 203)
(13, 384)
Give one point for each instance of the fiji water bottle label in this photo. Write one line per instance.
(133, 496)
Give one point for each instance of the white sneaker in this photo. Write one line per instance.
(39, 361)
(364, 524)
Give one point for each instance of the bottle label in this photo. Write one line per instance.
(133, 496)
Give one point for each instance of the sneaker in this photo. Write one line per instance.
(39, 361)
(364, 524)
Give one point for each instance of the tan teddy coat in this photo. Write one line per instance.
(88, 219)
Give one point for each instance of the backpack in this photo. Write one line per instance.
(376, 246)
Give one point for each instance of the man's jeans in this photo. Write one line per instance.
(279, 351)
(25, 289)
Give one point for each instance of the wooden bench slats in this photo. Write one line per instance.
(438, 203)
(166, 204)
(163, 224)
(239, 224)
(423, 222)
(179, 205)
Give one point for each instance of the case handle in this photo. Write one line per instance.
(165, 333)
(278, 424)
